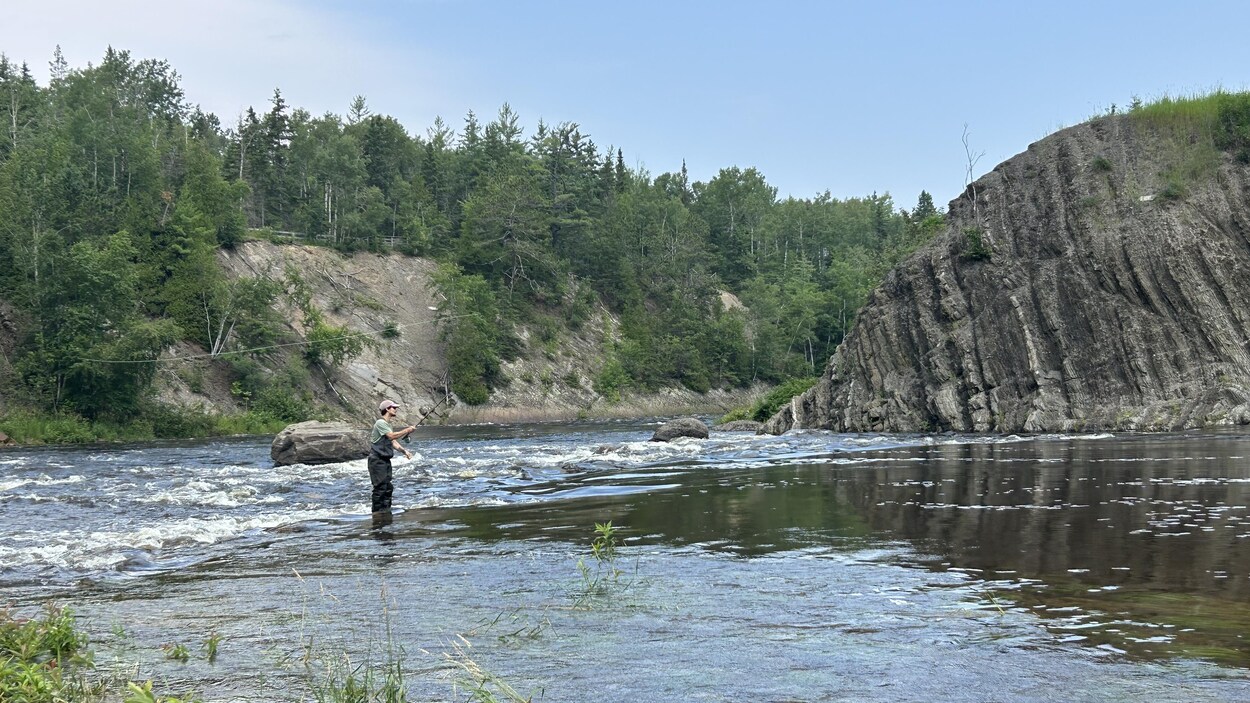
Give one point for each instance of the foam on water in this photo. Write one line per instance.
(87, 512)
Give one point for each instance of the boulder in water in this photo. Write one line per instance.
(319, 443)
(681, 427)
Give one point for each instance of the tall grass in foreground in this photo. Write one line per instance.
(46, 660)
(481, 685)
(335, 676)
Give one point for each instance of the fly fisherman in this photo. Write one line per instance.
(383, 441)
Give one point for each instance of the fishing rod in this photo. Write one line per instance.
(426, 415)
(431, 411)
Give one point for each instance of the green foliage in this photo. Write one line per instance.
(1101, 164)
(332, 344)
(154, 422)
(975, 247)
(51, 637)
(766, 407)
(1199, 128)
(338, 679)
(117, 199)
(46, 660)
(29, 427)
(471, 328)
(1174, 190)
(604, 575)
(325, 343)
(779, 396)
(1233, 124)
(210, 647)
(611, 380)
(90, 343)
(479, 684)
(177, 652)
(580, 307)
(335, 677)
(142, 693)
(270, 396)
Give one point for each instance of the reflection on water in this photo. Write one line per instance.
(1139, 544)
(810, 567)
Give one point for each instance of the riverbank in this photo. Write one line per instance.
(666, 402)
(26, 427)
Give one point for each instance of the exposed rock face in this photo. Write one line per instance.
(1101, 297)
(319, 443)
(364, 292)
(681, 427)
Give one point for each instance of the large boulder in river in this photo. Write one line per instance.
(319, 443)
(681, 427)
(1098, 280)
(738, 426)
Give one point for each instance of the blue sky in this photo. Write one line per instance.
(849, 97)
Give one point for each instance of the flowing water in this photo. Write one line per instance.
(807, 567)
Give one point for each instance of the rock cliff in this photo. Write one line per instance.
(1101, 279)
(367, 293)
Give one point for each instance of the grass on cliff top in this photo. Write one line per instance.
(1221, 119)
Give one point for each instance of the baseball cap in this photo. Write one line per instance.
(386, 404)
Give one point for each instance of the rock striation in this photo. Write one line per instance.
(1101, 279)
(319, 443)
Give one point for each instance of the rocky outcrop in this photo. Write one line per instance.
(319, 443)
(1098, 280)
(681, 427)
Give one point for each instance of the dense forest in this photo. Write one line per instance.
(116, 192)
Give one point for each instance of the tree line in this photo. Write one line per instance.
(116, 192)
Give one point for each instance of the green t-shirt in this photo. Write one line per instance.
(380, 428)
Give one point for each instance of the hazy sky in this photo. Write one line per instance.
(849, 97)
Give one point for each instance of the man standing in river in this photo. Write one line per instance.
(383, 441)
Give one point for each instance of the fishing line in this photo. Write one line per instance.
(306, 342)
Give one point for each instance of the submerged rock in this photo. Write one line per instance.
(319, 443)
(681, 427)
(1061, 299)
(738, 426)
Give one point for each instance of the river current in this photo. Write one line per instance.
(808, 567)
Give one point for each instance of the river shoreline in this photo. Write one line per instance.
(24, 427)
(664, 403)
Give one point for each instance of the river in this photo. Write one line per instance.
(807, 567)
